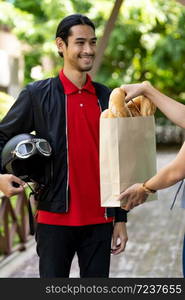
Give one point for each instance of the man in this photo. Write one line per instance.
(65, 110)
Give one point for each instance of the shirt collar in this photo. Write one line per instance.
(70, 88)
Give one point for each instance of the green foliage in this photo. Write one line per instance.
(150, 45)
(32, 7)
(147, 43)
(81, 6)
(6, 102)
(16, 20)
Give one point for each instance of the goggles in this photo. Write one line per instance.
(27, 148)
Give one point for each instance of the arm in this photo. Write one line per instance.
(171, 174)
(119, 236)
(167, 176)
(174, 110)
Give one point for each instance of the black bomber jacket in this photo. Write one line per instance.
(41, 107)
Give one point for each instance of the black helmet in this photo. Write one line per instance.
(25, 155)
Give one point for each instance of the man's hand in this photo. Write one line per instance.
(7, 184)
(119, 238)
(133, 196)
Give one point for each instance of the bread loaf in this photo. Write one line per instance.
(142, 105)
(147, 107)
(117, 103)
(107, 114)
(139, 106)
(134, 109)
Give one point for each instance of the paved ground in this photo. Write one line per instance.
(154, 247)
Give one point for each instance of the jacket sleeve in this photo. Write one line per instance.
(120, 215)
(19, 119)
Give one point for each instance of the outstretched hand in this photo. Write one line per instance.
(132, 196)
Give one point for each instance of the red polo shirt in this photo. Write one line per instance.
(83, 113)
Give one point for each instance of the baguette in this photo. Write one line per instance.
(117, 103)
(134, 109)
(107, 114)
(139, 106)
(147, 107)
(142, 105)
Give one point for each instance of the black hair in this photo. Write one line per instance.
(63, 29)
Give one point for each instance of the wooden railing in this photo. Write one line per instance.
(14, 223)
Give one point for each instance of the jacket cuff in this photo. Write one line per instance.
(120, 215)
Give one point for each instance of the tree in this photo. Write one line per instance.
(105, 37)
(147, 43)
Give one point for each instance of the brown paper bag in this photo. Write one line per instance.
(127, 155)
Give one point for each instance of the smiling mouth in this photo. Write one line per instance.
(87, 57)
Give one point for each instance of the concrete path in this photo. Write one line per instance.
(154, 248)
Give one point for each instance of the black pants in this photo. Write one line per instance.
(57, 245)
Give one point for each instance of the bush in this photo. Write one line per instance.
(6, 101)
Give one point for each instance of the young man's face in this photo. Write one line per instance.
(79, 54)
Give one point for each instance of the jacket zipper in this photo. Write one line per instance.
(67, 185)
(105, 213)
